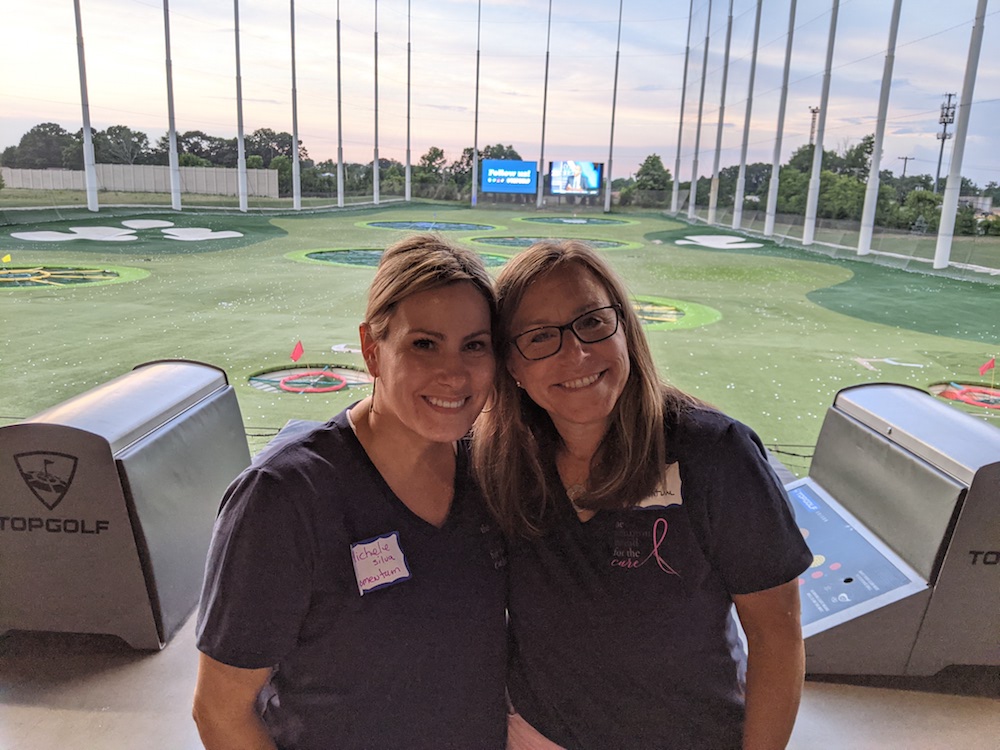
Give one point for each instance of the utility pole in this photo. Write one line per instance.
(906, 160)
(812, 127)
(946, 119)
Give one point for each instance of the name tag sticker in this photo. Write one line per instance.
(379, 562)
(667, 492)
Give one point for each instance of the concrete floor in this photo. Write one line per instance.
(91, 692)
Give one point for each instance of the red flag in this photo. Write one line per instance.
(988, 366)
(296, 354)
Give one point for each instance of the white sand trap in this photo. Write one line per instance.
(100, 234)
(718, 241)
(147, 224)
(197, 234)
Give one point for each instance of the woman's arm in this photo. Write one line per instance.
(771, 620)
(225, 707)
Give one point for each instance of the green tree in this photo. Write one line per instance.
(990, 225)
(432, 163)
(500, 151)
(120, 144)
(922, 203)
(42, 147)
(965, 221)
(857, 160)
(283, 165)
(267, 144)
(190, 160)
(392, 177)
(651, 186)
(802, 158)
(652, 175)
(841, 196)
(793, 189)
(255, 161)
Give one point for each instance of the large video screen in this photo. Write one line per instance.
(575, 177)
(508, 176)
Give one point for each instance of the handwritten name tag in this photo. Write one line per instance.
(667, 492)
(379, 562)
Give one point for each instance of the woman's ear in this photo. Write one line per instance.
(512, 370)
(369, 349)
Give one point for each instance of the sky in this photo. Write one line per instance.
(125, 68)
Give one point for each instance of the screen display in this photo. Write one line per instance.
(575, 177)
(508, 176)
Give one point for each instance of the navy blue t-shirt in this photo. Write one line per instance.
(415, 661)
(621, 629)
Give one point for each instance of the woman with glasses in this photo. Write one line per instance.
(638, 516)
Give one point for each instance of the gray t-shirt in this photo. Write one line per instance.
(621, 628)
(384, 630)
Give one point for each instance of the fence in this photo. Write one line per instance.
(146, 178)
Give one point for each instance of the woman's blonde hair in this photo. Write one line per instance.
(515, 442)
(417, 264)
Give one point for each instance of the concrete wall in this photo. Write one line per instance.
(145, 178)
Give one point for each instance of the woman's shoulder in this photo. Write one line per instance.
(693, 428)
(304, 452)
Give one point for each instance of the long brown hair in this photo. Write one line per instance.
(515, 442)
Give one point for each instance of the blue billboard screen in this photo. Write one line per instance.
(508, 176)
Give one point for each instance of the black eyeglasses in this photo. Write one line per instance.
(591, 327)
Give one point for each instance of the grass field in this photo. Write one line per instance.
(771, 332)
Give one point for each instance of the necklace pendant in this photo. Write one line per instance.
(574, 492)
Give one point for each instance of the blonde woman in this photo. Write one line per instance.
(354, 594)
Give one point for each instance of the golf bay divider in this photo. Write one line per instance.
(107, 503)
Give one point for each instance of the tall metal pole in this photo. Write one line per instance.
(949, 207)
(946, 119)
(376, 169)
(296, 168)
(340, 124)
(545, 106)
(772, 188)
(871, 190)
(812, 199)
(675, 193)
(409, 19)
(693, 198)
(614, 104)
(241, 154)
(713, 197)
(175, 171)
(475, 119)
(89, 171)
(741, 177)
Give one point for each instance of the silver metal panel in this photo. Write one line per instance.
(107, 503)
(962, 625)
(905, 501)
(124, 409)
(945, 437)
(174, 479)
(72, 567)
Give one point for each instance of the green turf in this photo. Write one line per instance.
(782, 331)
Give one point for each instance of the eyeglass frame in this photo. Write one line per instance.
(569, 327)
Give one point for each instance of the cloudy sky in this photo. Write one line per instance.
(124, 41)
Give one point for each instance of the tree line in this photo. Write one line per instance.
(907, 203)
(50, 146)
